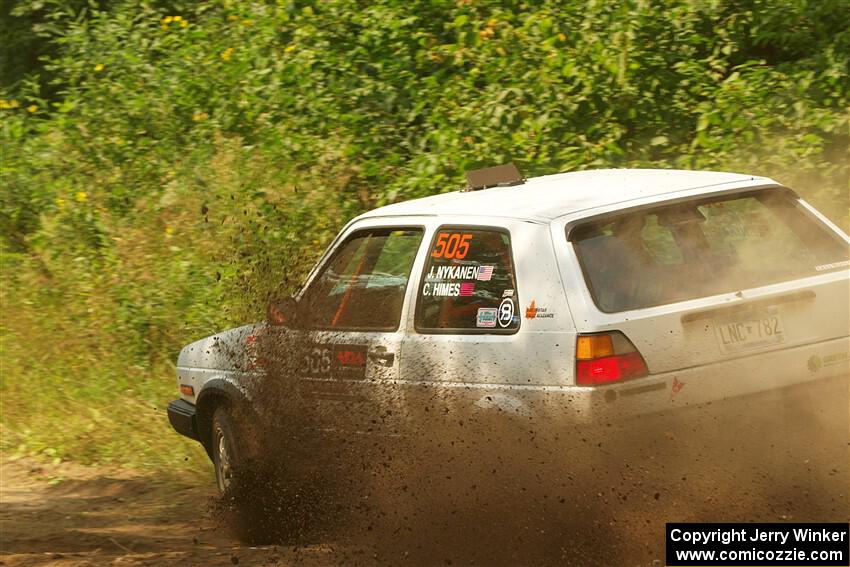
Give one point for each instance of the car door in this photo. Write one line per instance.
(349, 318)
(491, 327)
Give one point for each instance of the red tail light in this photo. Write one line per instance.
(607, 357)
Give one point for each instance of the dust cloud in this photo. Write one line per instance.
(394, 478)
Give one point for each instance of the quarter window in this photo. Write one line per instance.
(362, 286)
(469, 283)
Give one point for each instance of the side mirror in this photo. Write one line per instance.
(282, 312)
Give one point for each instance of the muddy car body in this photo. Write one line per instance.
(571, 298)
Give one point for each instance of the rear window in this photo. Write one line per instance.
(694, 249)
(469, 283)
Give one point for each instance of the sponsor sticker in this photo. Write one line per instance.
(676, 387)
(534, 312)
(508, 293)
(506, 312)
(486, 317)
(816, 362)
(349, 361)
(346, 356)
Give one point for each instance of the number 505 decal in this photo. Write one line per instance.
(452, 246)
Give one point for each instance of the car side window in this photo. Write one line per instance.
(362, 286)
(469, 284)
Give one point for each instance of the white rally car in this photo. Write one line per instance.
(566, 298)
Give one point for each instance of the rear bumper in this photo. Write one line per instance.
(181, 414)
(768, 375)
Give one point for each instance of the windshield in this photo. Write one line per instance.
(699, 248)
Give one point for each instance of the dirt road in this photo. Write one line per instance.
(70, 515)
(609, 506)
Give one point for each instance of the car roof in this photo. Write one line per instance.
(551, 196)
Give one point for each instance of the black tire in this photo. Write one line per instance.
(227, 452)
(259, 500)
(243, 502)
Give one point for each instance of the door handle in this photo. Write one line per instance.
(381, 357)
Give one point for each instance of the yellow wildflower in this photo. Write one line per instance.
(247, 23)
(184, 24)
(13, 103)
(32, 108)
(289, 48)
(81, 196)
(177, 18)
(562, 37)
(486, 33)
(60, 202)
(200, 116)
(4, 104)
(167, 20)
(169, 230)
(226, 54)
(98, 68)
(232, 18)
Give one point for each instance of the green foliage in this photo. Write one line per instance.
(167, 166)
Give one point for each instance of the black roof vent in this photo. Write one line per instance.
(497, 176)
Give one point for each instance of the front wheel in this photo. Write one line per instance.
(259, 500)
(225, 450)
(243, 503)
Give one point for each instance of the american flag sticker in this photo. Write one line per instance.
(467, 289)
(484, 273)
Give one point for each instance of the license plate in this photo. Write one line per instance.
(744, 331)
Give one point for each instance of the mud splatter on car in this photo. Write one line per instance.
(544, 370)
